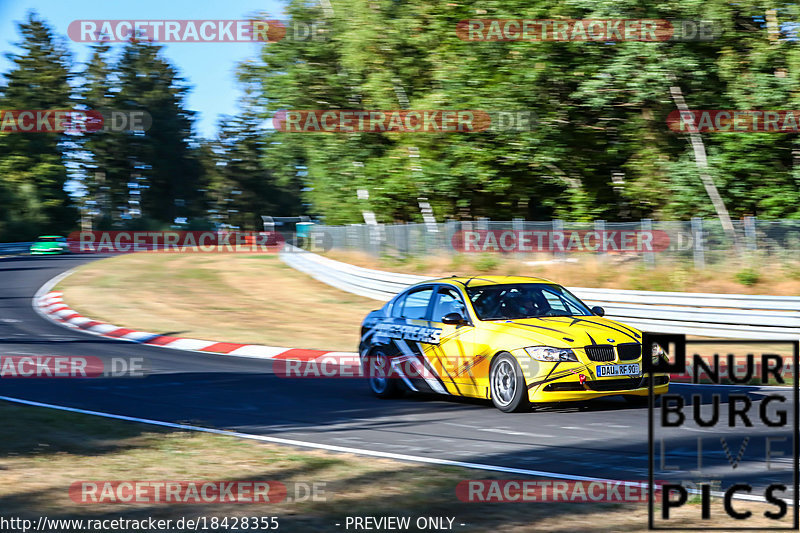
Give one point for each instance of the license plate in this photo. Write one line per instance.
(618, 370)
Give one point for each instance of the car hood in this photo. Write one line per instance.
(567, 331)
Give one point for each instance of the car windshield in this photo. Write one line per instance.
(524, 300)
(48, 239)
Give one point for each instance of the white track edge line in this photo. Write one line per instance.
(54, 281)
(360, 451)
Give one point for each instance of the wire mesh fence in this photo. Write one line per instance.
(700, 241)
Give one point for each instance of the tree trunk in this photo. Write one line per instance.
(701, 160)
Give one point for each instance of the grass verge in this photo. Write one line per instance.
(250, 299)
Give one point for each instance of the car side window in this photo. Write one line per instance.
(556, 304)
(397, 307)
(559, 304)
(448, 301)
(416, 303)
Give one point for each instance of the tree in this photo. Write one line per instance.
(163, 160)
(106, 169)
(602, 147)
(32, 165)
(242, 188)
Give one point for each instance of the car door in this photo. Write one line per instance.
(455, 353)
(415, 340)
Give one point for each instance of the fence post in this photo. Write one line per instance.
(699, 243)
(558, 225)
(376, 239)
(366, 244)
(750, 239)
(449, 233)
(600, 227)
(517, 226)
(647, 226)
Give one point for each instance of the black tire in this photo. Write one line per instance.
(381, 382)
(507, 386)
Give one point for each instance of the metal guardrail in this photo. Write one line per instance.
(735, 316)
(14, 247)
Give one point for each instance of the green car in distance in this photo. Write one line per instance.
(50, 245)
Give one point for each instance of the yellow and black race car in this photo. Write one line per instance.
(515, 340)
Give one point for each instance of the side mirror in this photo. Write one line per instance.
(599, 311)
(454, 318)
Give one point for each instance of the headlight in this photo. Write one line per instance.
(548, 353)
(658, 353)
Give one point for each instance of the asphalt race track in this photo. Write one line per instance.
(605, 439)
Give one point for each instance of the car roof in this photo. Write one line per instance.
(478, 281)
(50, 237)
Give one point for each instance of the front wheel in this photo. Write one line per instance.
(381, 381)
(507, 385)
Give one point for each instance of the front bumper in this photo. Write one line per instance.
(572, 390)
(53, 251)
(561, 382)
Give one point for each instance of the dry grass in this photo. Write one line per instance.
(226, 297)
(258, 299)
(614, 272)
(42, 452)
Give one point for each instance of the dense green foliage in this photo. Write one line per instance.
(600, 148)
(32, 165)
(602, 111)
(127, 179)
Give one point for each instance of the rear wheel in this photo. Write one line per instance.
(381, 381)
(507, 384)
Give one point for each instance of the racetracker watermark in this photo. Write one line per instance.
(73, 120)
(175, 241)
(54, 366)
(513, 490)
(734, 121)
(531, 241)
(188, 492)
(745, 450)
(403, 121)
(196, 31)
(431, 366)
(346, 365)
(586, 30)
